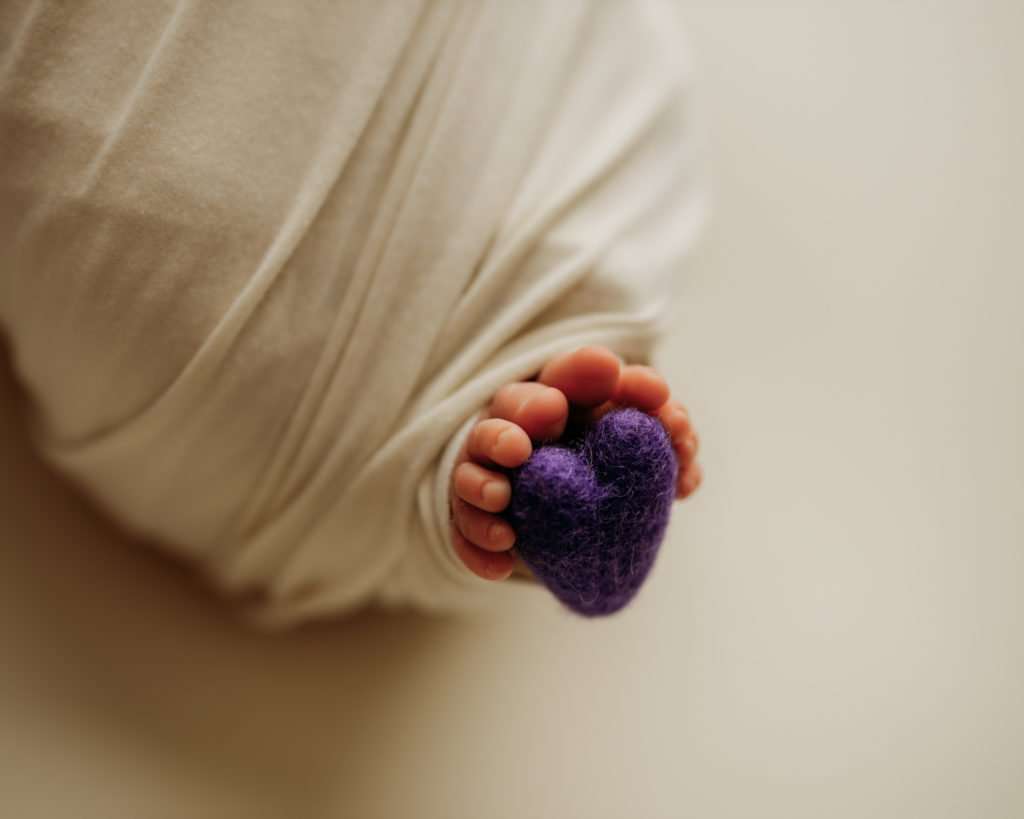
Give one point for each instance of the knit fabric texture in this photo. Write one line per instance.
(590, 511)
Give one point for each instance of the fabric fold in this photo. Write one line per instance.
(319, 241)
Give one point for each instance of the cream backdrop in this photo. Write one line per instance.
(835, 627)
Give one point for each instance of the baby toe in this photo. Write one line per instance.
(676, 420)
(686, 448)
(641, 387)
(481, 528)
(540, 411)
(485, 564)
(483, 488)
(498, 441)
(689, 480)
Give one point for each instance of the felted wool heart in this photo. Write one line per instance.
(590, 511)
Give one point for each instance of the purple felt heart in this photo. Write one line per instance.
(590, 511)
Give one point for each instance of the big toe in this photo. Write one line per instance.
(641, 387)
(588, 376)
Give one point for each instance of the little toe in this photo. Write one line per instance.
(482, 529)
(689, 480)
(483, 488)
(488, 565)
(541, 411)
(641, 387)
(588, 376)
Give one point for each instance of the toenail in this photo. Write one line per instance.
(501, 534)
(494, 573)
(546, 391)
(501, 436)
(493, 492)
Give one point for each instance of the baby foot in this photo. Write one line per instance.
(586, 383)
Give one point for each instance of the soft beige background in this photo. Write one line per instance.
(834, 629)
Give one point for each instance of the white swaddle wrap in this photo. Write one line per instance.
(261, 263)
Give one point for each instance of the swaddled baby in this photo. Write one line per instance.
(293, 287)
